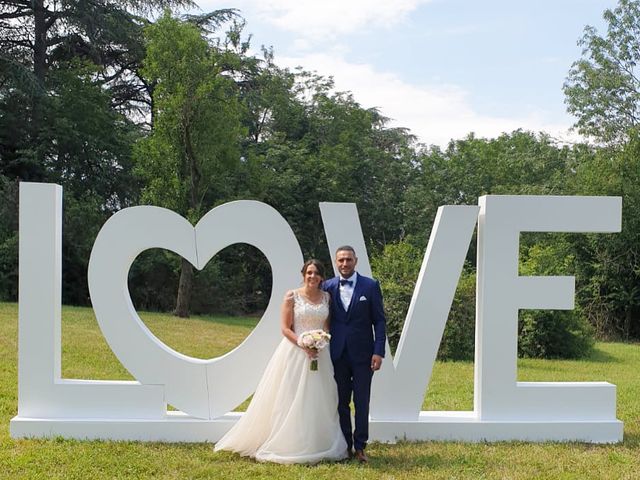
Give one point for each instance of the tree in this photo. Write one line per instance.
(71, 103)
(609, 264)
(603, 88)
(516, 163)
(603, 91)
(321, 145)
(512, 164)
(36, 34)
(40, 37)
(193, 148)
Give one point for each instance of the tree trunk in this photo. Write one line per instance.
(40, 40)
(183, 301)
(39, 71)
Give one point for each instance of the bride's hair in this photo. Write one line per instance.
(316, 263)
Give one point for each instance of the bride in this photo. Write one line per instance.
(293, 417)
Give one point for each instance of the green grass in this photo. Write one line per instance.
(86, 355)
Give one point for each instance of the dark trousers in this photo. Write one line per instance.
(353, 379)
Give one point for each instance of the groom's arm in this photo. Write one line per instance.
(379, 322)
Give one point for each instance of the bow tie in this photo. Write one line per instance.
(344, 282)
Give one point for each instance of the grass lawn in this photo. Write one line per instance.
(86, 355)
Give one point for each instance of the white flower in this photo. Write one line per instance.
(316, 339)
(308, 341)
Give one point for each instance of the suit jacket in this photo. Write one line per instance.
(362, 327)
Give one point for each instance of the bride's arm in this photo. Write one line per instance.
(286, 324)
(286, 318)
(327, 322)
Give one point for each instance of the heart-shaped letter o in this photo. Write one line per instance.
(201, 388)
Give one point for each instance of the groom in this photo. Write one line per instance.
(357, 344)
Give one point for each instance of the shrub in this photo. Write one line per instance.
(397, 268)
(554, 334)
(458, 339)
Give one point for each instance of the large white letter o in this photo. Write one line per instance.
(201, 388)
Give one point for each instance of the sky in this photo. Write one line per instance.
(442, 68)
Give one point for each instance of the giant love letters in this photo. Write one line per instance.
(205, 391)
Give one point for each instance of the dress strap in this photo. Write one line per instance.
(326, 297)
(296, 296)
(290, 295)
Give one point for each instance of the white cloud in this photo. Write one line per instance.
(435, 113)
(320, 21)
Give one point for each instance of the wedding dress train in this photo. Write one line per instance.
(293, 415)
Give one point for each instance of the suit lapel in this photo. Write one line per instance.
(335, 294)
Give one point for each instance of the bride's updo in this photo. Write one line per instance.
(316, 263)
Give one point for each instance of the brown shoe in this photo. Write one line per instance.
(361, 456)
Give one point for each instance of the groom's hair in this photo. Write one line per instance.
(346, 248)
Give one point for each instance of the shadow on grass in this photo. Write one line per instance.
(596, 356)
(631, 440)
(600, 356)
(378, 461)
(406, 462)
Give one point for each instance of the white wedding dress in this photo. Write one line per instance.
(293, 416)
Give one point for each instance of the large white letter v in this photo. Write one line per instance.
(399, 388)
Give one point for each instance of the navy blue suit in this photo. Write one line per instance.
(356, 334)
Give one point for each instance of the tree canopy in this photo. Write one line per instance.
(603, 87)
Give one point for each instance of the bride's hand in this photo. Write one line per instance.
(312, 353)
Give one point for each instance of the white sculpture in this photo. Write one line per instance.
(502, 292)
(200, 388)
(205, 390)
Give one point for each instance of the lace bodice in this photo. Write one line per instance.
(307, 315)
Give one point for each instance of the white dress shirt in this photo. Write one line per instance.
(346, 291)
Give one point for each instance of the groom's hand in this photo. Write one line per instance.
(376, 362)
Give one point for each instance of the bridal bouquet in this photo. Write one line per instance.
(315, 339)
